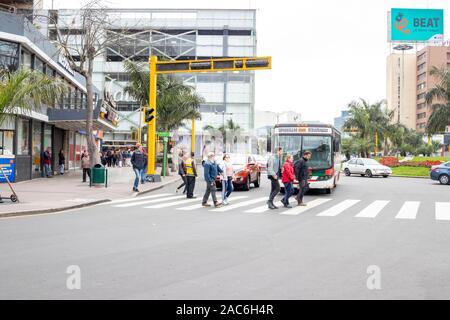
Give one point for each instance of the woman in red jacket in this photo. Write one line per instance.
(288, 178)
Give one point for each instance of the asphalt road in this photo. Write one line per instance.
(397, 228)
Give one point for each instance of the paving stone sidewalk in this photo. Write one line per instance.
(68, 191)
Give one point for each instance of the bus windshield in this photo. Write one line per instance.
(320, 146)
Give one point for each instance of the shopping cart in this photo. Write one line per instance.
(13, 197)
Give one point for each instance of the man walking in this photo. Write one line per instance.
(190, 171)
(181, 172)
(211, 172)
(273, 172)
(302, 176)
(139, 162)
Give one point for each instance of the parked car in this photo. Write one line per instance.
(441, 173)
(246, 171)
(366, 167)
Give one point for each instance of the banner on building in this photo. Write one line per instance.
(416, 25)
(8, 165)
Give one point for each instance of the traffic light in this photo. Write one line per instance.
(149, 114)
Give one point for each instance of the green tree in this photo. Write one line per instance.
(176, 101)
(27, 90)
(230, 129)
(439, 97)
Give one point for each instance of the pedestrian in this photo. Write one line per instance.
(139, 162)
(227, 179)
(302, 175)
(61, 161)
(85, 165)
(181, 172)
(211, 171)
(190, 170)
(288, 178)
(120, 158)
(273, 172)
(48, 162)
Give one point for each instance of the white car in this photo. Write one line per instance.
(366, 167)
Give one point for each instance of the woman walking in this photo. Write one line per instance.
(61, 161)
(227, 179)
(288, 178)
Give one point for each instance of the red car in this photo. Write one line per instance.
(246, 171)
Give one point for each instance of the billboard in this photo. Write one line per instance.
(416, 24)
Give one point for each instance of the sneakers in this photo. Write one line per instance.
(205, 204)
(225, 202)
(135, 189)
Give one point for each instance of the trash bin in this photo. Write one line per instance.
(99, 175)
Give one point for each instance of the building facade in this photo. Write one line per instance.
(26, 135)
(175, 35)
(340, 121)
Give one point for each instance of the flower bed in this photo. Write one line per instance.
(393, 162)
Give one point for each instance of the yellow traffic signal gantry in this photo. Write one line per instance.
(190, 66)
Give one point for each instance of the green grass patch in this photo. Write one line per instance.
(418, 159)
(411, 171)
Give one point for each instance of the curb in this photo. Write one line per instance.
(77, 206)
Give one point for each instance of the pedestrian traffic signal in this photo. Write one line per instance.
(149, 114)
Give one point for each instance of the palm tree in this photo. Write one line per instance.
(440, 94)
(177, 102)
(26, 90)
(231, 129)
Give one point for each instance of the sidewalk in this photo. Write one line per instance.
(68, 192)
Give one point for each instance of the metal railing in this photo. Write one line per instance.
(7, 8)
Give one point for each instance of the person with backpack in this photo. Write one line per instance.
(139, 162)
(190, 171)
(211, 171)
(288, 178)
(301, 169)
(273, 173)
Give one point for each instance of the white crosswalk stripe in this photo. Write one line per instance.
(171, 204)
(373, 209)
(133, 204)
(138, 198)
(263, 208)
(408, 210)
(198, 206)
(311, 204)
(442, 211)
(239, 205)
(338, 208)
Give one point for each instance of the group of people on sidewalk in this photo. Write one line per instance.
(289, 172)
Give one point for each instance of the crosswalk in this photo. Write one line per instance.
(320, 206)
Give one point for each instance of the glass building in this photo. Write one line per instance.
(175, 35)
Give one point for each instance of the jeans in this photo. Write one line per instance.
(190, 185)
(88, 172)
(274, 188)
(302, 188)
(210, 189)
(227, 188)
(47, 170)
(139, 176)
(61, 168)
(288, 191)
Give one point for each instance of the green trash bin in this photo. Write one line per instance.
(99, 175)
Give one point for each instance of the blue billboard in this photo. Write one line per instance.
(416, 25)
(8, 165)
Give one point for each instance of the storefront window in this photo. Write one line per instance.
(37, 148)
(23, 130)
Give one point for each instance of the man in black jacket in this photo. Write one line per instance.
(301, 169)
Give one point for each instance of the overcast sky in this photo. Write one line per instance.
(325, 52)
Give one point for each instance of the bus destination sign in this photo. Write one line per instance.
(307, 130)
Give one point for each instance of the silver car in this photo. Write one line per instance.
(366, 167)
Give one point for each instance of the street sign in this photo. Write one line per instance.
(164, 134)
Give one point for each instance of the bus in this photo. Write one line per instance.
(323, 140)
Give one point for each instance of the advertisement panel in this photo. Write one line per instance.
(416, 24)
(7, 163)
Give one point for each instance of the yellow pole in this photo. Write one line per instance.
(151, 132)
(193, 136)
(429, 140)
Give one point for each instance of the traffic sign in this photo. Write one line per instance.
(164, 134)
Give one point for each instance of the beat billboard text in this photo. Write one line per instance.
(416, 24)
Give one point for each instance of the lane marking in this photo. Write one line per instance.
(338, 208)
(442, 210)
(408, 210)
(133, 204)
(139, 198)
(239, 205)
(373, 209)
(311, 204)
(171, 204)
(263, 208)
(198, 206)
